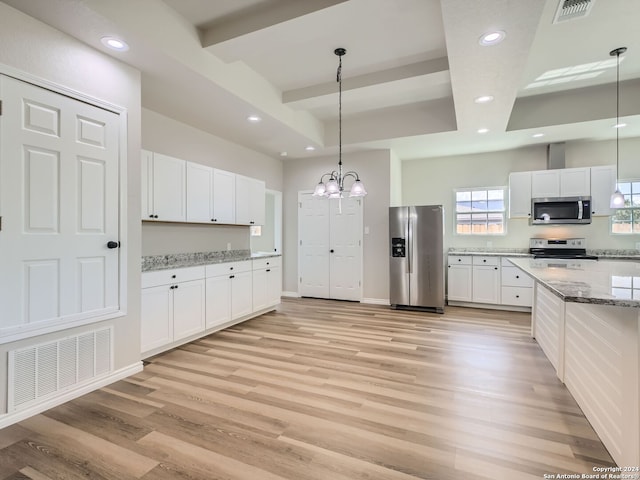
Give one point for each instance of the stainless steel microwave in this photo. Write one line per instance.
(560, 210)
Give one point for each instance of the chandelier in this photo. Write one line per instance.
(334, 188)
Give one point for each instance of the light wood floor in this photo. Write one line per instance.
(323, 390)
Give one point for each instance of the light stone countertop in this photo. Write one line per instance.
(152, 263)
(599, 282)
(524, 252)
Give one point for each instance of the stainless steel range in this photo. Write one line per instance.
(568, 248)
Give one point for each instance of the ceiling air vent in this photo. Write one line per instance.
(570, 9)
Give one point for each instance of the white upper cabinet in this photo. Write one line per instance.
(545, 183)
(250, 201)
(575, 182)
(603, 184)
(165, 187)
(520, 195)
(224, 197)
(199, 193)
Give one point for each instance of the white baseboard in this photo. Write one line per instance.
(15, 417)
(376, 301)
(291, 294)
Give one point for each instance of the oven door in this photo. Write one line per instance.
(549, 211)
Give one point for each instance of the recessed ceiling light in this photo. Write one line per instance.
(620, 125)
(254, 119)
(309, 148)
(115, 44)
(484, 99)
(491, 38)
(483, 130)
(283, 154)
(537, 135)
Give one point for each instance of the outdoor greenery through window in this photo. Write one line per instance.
(480, 211)
(627, 219)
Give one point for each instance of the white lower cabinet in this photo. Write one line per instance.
(173, 306)
(267, 283)
(487, 280)
(229, 292)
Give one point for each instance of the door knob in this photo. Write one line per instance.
(113, 244)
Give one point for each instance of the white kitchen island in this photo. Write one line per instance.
(586, 319)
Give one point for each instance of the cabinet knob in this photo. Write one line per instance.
(517, 296)
(459, 259)
(173, 276)
(232, 276)
(495, 268)
(331, 251)
(484, 260)
(268, 270)
(517, 276)
(175, 286)
(252, 222)
(155, 216)
(150, 216)
(172, 287)
(230, 268)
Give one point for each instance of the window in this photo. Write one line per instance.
(626, 220)
(480, 211)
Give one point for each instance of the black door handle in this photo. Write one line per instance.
(113, 244)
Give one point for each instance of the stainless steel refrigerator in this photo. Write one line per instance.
(416, 260)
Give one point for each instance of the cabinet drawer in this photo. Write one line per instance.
(261, 263)
(482, 260)
(459, 260)
(520, 296)
(514, 277)
(229, 267)
(174, 275)
(506, 261)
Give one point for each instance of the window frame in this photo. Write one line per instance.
(502, 213)
(629, 209)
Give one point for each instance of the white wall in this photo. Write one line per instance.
(433, 180)
(165, 135)
(37, 49)
(395, 180)
(373, 168)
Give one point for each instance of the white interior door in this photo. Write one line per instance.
(345, 252)
(59, 203)
(313, 234)
(330, 248)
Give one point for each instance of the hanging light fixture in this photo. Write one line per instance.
(334, 187)
(617, 199)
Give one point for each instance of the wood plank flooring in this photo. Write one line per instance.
(323, 390)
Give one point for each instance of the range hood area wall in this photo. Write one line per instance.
(556, 156)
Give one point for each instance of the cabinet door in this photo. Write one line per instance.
(274, 286)
(545, 183)
(169, 199)
(459, 283)
(260, 289)
(486, 284)
(156, 317)
(575, 182)
(188, 308)
(520, 195)
(603, 184)
(199, 193)
(241, 294)
(258, 202)
(218, 308)
(224, 196)
(243, 200)
(146, 187)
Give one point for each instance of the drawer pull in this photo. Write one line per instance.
(517, 276)
(173, 276)
(484, 260)
(517, 296)
(232, 276)
(495, 268)
(459, 259)
(268, 270)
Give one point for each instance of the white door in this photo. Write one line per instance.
(345, 247)
(313, 227)
(330, 247)
(59, 203)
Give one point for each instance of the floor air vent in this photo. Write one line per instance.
(570, 9)
(41, 371)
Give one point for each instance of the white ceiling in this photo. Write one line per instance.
(410, 75)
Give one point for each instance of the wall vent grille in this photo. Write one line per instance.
(41, 371)
(570, 9)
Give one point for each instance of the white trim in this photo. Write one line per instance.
(11, 418)
(291, 294)
(376, 301)
(26, 331)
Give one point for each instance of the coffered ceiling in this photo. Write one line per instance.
(410, 76)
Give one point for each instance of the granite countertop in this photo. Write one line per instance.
(524, 252)
(152, 263)
(600, 282)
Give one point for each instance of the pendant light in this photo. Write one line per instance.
(617, 199)
(334, 188)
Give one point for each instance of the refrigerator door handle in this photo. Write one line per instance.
(409, 245)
